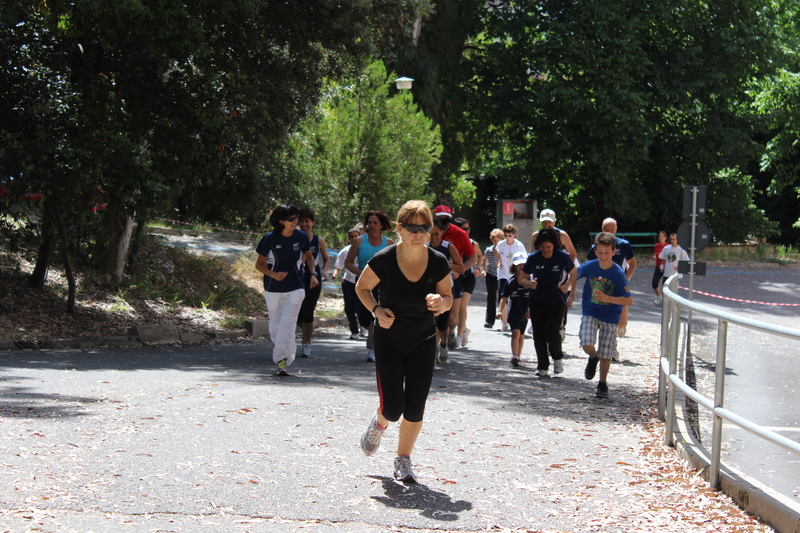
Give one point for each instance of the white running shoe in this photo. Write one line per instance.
(558, 366)
(465, 336)
(370, 356)
(541, 373)
(305, 351)
(505, 327)
(364, 332)
(354, 336)
(403, 471)
(371, 438)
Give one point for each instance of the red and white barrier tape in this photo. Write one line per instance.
(737, 299)
(205, 226)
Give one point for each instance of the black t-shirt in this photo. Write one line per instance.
(404, 298)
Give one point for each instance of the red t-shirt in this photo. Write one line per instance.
(660, 247)
(460, 240)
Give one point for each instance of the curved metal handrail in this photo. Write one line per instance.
(668, 370)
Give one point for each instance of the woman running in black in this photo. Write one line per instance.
(414, 285)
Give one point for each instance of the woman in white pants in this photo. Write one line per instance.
(281, 252)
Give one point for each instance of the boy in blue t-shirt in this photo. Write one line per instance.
(518, 297)
(604, 293)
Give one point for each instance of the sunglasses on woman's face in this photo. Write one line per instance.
(417, 228)
(291, 218)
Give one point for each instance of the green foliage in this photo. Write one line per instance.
(732, 215)
(610, 108)
(364, 150)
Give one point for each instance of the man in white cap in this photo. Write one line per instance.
(547, 219)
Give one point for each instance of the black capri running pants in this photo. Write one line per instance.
(404, 364)
(306, 314)
(469, 283)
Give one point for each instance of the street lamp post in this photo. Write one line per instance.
(404, 82)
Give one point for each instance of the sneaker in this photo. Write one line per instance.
(602, 390)
(505, 327)
(451, 342)
(364, 332)
(558, 366)
(591, 367)
(354, 336)
(442, 357)
(465, 337)
(282, 371)
(541, 373)
(305, 351)
(515, 361)
(488, 326)
(371, 438)
(458, 342)
(657, 301)
(370, 356)
(402, 469)
(615, 355)
(620, 332)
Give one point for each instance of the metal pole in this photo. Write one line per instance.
(675, 332)
(691, 267)
(662, 380)
(719, 400)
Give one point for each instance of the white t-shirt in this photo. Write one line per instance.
(671, 255)
(506, 252)
(339, 264)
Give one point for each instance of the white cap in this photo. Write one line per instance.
(548, 214)
(519, 258)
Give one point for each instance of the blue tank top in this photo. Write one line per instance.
(366, 250)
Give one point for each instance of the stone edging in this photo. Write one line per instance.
(147, 335)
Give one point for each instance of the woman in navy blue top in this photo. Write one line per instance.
(552, 271)
(281, 253)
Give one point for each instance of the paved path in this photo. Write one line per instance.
(205, 439)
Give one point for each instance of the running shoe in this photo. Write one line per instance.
(282, 370)
(515, 361)
(505, 327)
(354, 336)
(364, 332)
(602, 390)
(451, 342)
(558, 366)
(305, 351)
(615, 355)
(488, 326)
(402, 469)
(591, 367)
(371, 438)
(541, 373)
(442, 357)
(370, 356)
(465, 336)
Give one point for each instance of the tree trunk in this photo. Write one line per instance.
(67, 265)
(39, 274)
(114, 250)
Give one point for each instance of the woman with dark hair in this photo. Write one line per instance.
(318, 249)
(281, 252)
(361, 250)
(552, 271)
(447, 249)
(470, 275)
(658, 273)
(414, 284)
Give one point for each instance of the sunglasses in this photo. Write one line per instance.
(417, 228)
(291, 218)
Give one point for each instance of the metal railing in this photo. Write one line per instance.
(669, 381)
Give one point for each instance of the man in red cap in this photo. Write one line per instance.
(460, 239)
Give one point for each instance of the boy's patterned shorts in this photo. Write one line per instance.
(606, 344)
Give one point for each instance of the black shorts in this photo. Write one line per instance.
(469, 283)
(458, 288)
(306, 315)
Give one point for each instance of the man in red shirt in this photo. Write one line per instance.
(460, 239)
